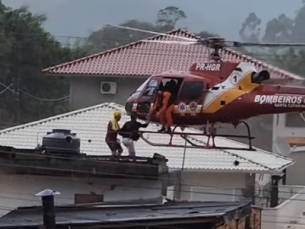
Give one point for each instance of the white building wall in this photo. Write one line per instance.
(204, 186)
(296, 172)
(20, 190)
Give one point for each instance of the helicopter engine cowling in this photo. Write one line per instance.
(259, 77)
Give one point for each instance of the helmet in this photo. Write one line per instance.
(116, 113)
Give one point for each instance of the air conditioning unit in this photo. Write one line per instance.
(108, 88)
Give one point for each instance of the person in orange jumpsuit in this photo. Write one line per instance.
(164, 106)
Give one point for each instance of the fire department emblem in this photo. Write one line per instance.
(182, 108)
(193, 108)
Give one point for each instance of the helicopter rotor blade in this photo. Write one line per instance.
(249, 44)
(172, 42)
(152, 32)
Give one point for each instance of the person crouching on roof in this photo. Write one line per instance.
(164, 106)
(112, 133)
(130, 133)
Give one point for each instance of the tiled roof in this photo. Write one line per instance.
(144, 59)
(90, 124)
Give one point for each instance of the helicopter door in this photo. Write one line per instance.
(191, 97)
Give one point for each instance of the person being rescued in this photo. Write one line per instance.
(130, 133)
(164, 105)
(112, 133)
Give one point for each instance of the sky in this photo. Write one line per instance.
(78, 18)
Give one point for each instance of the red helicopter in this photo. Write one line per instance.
(215, 93)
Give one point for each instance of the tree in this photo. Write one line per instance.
(298, 32)
(110, 37)
(279, 29)
(27, 49)
(250, 30)
(170, 16)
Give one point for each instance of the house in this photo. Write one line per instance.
(80, 178)
(195, 174)
(291, 128)
(217, 215)
(113, 75)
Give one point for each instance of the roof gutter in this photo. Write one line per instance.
(244, 171)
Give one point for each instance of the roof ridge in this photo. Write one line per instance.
(132, 44)
(14, 128)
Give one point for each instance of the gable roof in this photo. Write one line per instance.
(144, 59)
(91, 123)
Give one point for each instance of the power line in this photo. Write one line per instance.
(46, 100)
(32, 96)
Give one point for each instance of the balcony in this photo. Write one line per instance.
(289, 212)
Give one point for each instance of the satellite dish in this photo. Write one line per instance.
(281, 146)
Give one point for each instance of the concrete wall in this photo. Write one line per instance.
(20, 190)
(204, 186)
(291, 125)
(288, 214)
(85, 91)
(295, 174)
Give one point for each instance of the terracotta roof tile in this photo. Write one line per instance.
(143, 59)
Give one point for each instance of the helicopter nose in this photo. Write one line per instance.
(128, 106)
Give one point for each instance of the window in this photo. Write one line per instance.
(88, 198)
(153, 84)
(191, 90)
(143, 85)
(294, 120)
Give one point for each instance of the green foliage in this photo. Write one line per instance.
(280, 29)
(110, 37)
(250, 30)
(25, 50)
(170, 16)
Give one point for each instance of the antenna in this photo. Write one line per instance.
(281, 146)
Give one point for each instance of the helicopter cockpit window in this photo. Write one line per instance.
(143, 85)
(152, 86)
(191, 90)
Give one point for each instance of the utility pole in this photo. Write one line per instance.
(48, 208)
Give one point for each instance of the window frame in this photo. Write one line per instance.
(189, 82)
(149, 85)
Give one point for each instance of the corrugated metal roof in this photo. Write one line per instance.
(144, 59)
(107, 215)
(91, 123)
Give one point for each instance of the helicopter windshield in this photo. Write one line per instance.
(137, 93)
(141, 88)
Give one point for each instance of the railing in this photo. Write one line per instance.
(292, 204)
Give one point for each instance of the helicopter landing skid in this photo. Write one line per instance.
(210, 144)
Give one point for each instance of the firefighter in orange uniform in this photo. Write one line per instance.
(164, 106)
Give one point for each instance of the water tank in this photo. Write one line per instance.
(61, 141)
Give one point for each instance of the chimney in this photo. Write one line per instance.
(48, 208)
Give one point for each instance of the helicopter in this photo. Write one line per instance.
(214, 94)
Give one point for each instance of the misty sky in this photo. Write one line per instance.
(80, 17)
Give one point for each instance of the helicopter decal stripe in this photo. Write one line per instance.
(176, 110)
(214, 104)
